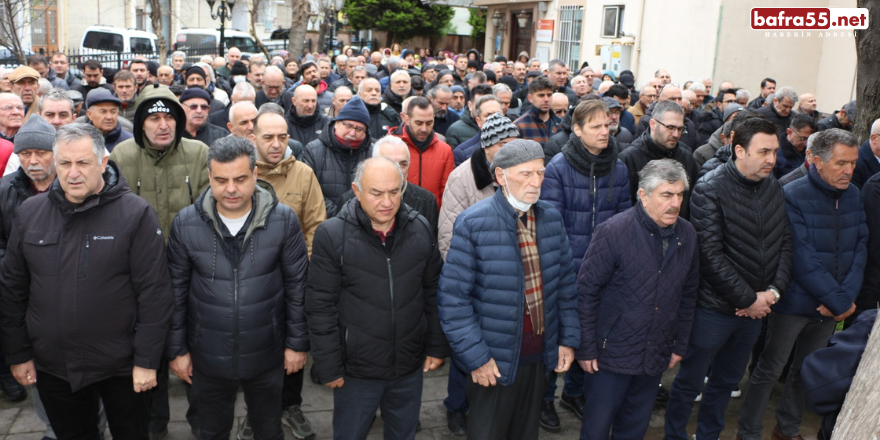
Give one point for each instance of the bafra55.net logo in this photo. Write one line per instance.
(806, 22)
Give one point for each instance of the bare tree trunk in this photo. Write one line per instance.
(868, 84)
(323, 31)
(156, 19)
(254, 11)
(860, 416)
(298, 24)
(12, 14)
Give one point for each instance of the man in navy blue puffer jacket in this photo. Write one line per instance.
(637, 293)
(830, 238)
(507, 298)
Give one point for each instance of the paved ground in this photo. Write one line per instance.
(18, 421)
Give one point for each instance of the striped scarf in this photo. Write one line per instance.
(528, 246)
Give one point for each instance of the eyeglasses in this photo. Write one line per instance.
(350, 126)
(559, 112)
(799, 137)
(267, 86)
(7, 108)
(194, 107)
(729, 101)
(682, 130)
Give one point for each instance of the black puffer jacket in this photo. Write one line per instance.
(236, 318)
(382, 118)
(558, 140)
(208, 133)
(334, 164)
(15, 188)
(691, 139)
(85, 287)
(721, 157)
(306, 128)
(745, 242)
(372, 308)
(644, 150)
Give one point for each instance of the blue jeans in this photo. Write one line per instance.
(618, 403)
(456, 400)
(355, 404)
(574, 383)
(723, 342)
(784, 333)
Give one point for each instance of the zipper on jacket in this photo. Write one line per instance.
(760, 232)
(393, 320)
(84, 264)
(235, 353)
(190, 188)
(139, 186)
(595, 191)
(420, 168)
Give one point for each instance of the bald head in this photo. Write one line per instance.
(670, 93)
(305, 99)
(559, 104)
(604, 86)
(241, 119)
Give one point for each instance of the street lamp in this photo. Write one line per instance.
(224, 12)
(522, 18)
(312, 19)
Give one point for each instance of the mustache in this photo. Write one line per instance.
(672, 211)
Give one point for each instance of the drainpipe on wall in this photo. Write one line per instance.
(637, 45)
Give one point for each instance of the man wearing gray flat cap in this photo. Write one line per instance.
(507, 298)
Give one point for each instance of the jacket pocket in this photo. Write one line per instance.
(350, 348)
(41, 247)
(84, 260)
(609, 327)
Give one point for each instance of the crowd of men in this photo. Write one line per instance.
(222, 220)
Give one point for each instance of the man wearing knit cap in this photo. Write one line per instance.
(587, 184)
(507, 298)
(195, 76)
(337, 151)
(468, 184)
(103, 113)
(431, 158)
(33, 147)
(169, 171)
(196, 104)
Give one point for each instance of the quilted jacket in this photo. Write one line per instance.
(462, 130)
(481, 295)
(463, 191)
(583, 208)
(830, 239)
(334, 164)
(745, 243)
(635, 304)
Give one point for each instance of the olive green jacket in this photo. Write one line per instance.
(169, 182)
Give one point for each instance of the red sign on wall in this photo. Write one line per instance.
(544, 31)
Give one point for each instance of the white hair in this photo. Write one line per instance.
(399, 73)
(389, 140)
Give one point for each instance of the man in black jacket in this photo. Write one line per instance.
(371, 305)
(382, 115)
(273, 89)
(745, 253)
(305, 121)
(778, 111)
(842, 118)
(661, 141)
(238, 315)
(86, 250)
(196, 103)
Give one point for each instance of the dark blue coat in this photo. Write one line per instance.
(788, 158)
(867, 166)
(829, 238)
(465, 150)
(569, 192)
(636, 305)
(482, 289)
(628, 121)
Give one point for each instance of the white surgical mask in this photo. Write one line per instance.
(516, 203)
(239, 79)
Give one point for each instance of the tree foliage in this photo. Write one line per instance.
(403, 19)
(477, 20)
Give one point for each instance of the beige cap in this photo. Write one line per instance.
(22, 72)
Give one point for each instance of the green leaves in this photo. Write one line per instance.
(404, 19)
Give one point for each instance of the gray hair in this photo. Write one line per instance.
(389, 140)
(359, 172)
(400, 73)
(271, 107)
(824, 143)
(557, 63)
(358, 68)
(663, 107)
(482, 100)
(501, 88)
(365, 81)
(786, 92)
(341, 58)
(57, 94)
(79, 130)
(437, 89)
(272, 69)
(393, 62)
(533, 60)
(178, 53)
(697, 86)
(229, 148)
(742, 94)
(659, 171)
(244, 90)
(810, 141)
(45, 85)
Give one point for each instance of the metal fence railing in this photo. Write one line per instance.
(120, 60)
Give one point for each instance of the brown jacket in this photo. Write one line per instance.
(636, 110)
(296, 186)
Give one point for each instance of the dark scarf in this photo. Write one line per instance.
(422, 146)
(303, 121)
(480, 167)
(396, 102)
(589, 164)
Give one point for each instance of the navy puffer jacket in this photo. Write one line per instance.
(584, 206)
(636, 305)
(334, 164)
(830, 239)
(482, 289)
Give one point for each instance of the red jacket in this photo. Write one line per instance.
(6, 149)
(430, 168)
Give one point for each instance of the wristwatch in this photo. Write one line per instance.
(776, 294)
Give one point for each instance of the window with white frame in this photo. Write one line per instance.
(571, 19)
(612, 21)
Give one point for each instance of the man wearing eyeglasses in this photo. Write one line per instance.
(196, 105)
(661, 141)
(711, 120)
(273, 91)
(647, 97)
(337, 151)
(690, 137)
(11, 115)
(559, 104)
